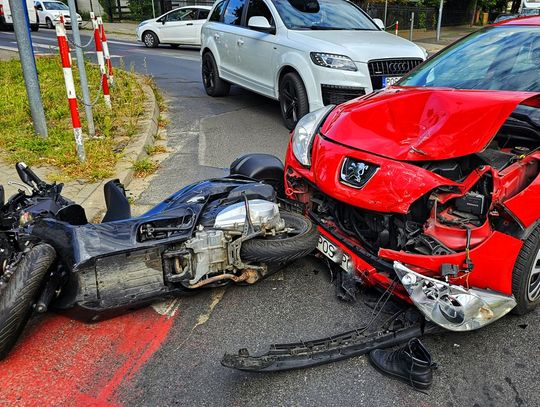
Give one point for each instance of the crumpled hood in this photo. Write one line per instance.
(360, 46)
(418, 124)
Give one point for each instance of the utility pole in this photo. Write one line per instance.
(439, 21)
(28, 64)
(385, 11)
(82, 68)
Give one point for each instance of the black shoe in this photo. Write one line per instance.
(411, 364)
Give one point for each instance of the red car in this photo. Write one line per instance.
(431, 189)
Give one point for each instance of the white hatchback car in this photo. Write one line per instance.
(181, 26)
(49, 13)
(305, 53)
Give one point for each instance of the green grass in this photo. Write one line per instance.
(18, 141)
(144, 167)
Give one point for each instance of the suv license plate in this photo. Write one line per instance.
(334, 253)
(389, 80)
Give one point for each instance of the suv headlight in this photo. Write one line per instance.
(305, 130)
(334, 61)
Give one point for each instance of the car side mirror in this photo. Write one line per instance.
(163, 21)
(379, 23)
(260, 23)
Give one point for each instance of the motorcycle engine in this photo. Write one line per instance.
(207, 255)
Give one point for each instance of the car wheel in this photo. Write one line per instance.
(292, 99)
(150, 39)
(34, 27)
(213, 84)
(174, 45)
(49, 23)
(526, 275)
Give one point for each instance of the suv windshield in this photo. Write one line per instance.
(497, 58)
(54, 5)
(323, 15)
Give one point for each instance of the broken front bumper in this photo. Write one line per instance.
(450, 306)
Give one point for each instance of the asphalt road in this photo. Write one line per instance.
(496, 366)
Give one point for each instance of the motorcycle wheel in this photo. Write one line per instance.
(283, 248)
(17, 297)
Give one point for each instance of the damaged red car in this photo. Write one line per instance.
(431, 188)
(428, 190)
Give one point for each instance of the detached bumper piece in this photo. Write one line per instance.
(312, 353)
(450, 306)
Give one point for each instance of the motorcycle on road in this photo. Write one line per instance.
(208, 234)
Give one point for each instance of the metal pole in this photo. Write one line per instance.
(82, 68)
(153, 8)
(439, 20)
(385, 11)
(28, 65)
(412, 26)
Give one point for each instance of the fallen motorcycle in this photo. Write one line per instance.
(208, 234)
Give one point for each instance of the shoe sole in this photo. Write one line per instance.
(417, 385)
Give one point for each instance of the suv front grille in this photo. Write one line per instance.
(335, 95)
(390, 67)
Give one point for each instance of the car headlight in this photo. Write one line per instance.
(142, 23)
(452, 306)
(305, 130)
(334, 61)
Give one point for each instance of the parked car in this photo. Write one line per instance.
(430, 189)
(305, 53)
(49, 13)
(6, 22)
(181, 26)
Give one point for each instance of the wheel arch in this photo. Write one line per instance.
(305, 75)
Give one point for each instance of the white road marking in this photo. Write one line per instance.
(129, 44)
(9, 48)
(168, 308)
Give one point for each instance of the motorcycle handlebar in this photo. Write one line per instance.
(28, 176)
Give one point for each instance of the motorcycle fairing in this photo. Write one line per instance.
(112, 268)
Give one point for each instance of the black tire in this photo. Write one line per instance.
(174, 46)
(49, 23)
(17, 297)
(283, 249)
(150, 39)
(526, 275)
(34, 27)
(213, 84)
(293, 99)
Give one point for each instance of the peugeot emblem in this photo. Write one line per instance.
(356, 173)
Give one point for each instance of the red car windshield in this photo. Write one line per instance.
(497, 58)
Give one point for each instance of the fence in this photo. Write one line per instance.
(142, 9)
(425, 17)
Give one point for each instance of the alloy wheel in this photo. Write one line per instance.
(533, 292)
(290, 101)
(149, 39)
(208, 73)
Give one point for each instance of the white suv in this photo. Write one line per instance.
(305, 53)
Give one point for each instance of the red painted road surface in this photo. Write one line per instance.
(59, 361)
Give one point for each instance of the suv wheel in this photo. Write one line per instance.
(292, 99)
(49, 23)
(213, 84)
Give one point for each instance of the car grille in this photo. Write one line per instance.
(335, 95)
(390, 67)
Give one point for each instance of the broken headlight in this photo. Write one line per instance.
(452, 306)
(305, 131)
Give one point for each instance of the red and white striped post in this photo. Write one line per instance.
(65, 56)
(106, 53)
(101, 63)
(397, 27)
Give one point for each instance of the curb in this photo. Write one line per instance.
(94, 204)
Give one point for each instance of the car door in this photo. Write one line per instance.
(231, 32)
(256, 50)
(178, 27)
(202, 15)
(40, 11)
